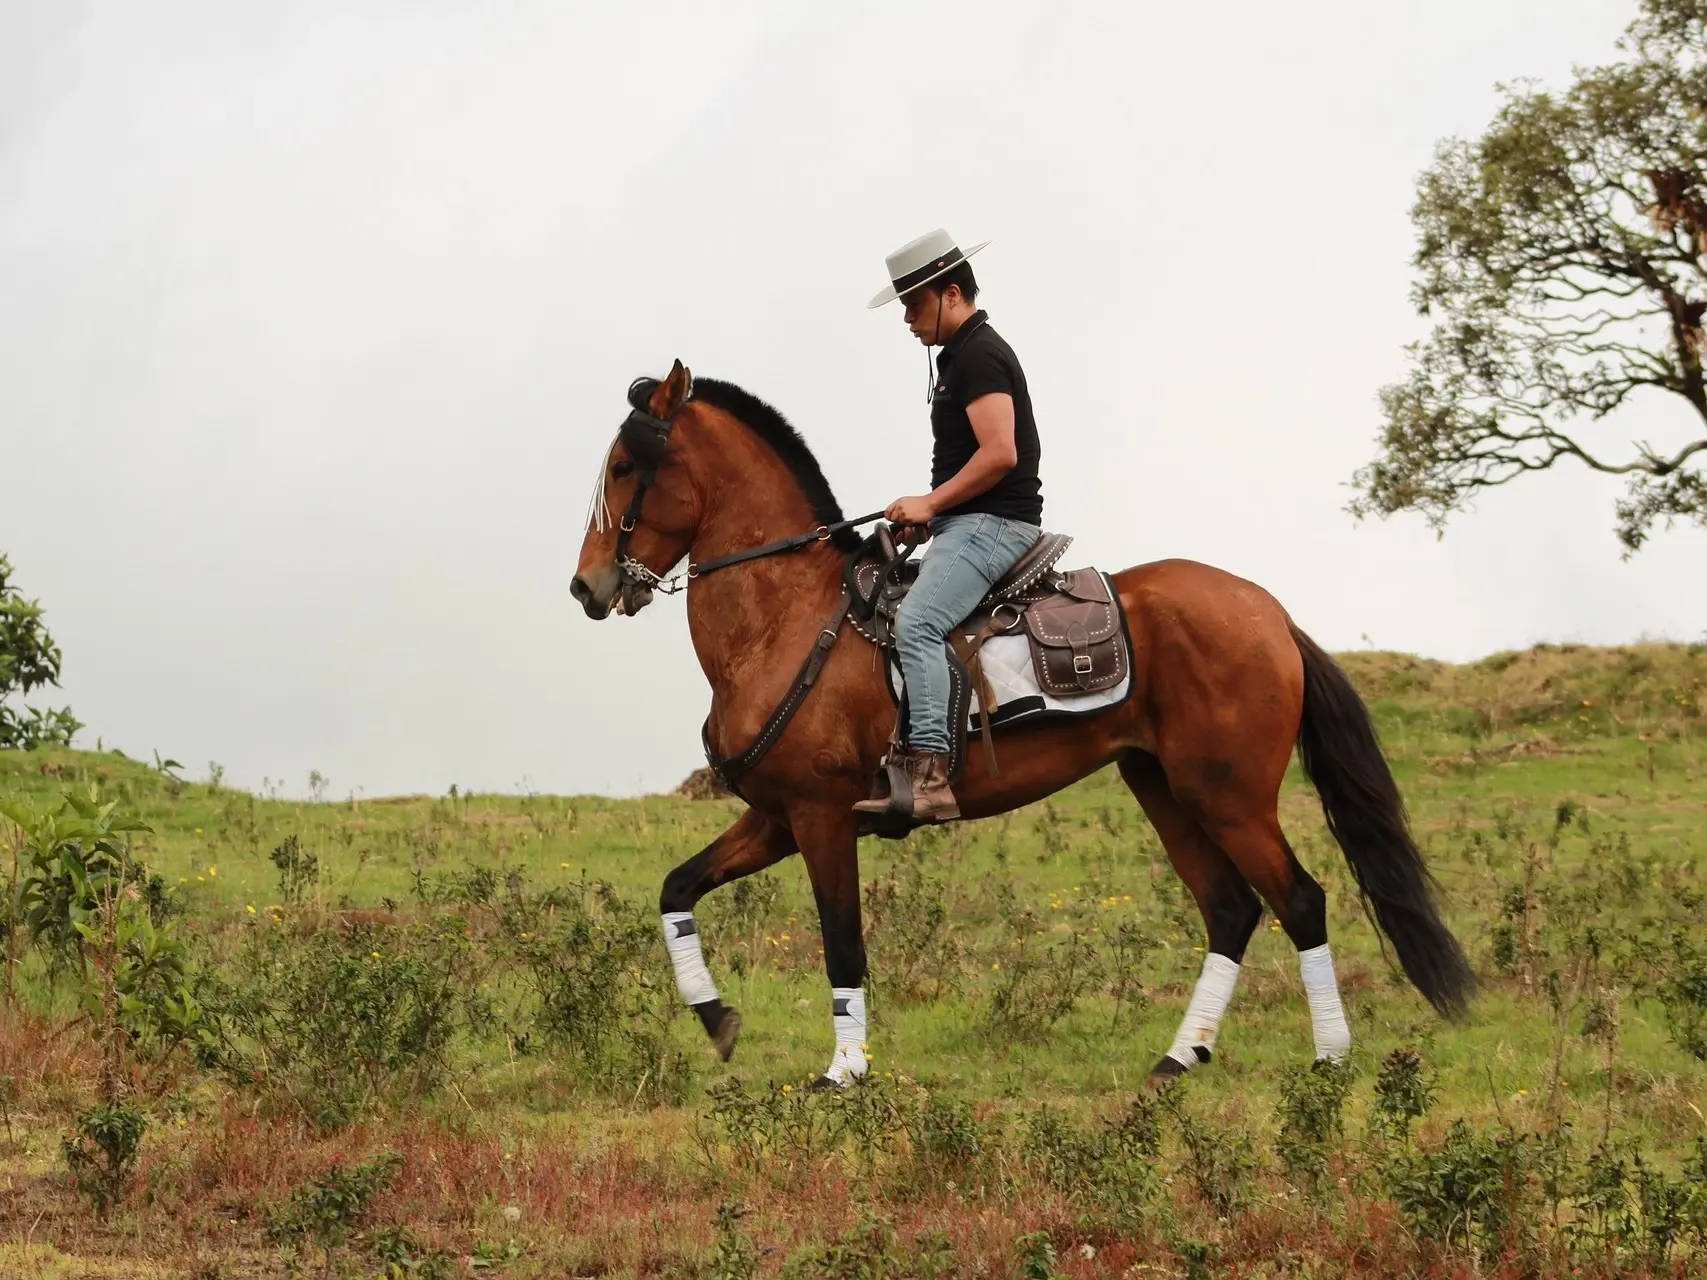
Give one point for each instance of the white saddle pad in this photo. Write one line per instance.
(1013, 684)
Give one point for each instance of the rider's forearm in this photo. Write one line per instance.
(980, 473)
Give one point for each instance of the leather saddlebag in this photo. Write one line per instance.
(1077, 642)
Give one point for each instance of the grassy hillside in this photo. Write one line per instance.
(1027, 970)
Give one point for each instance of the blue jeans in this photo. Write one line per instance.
(968, 555)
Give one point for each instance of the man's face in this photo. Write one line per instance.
(923, 309)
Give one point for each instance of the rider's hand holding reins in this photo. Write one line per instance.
(912, 514)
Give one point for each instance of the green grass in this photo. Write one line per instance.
(1587, 766)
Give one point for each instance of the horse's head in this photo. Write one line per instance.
(644, 510)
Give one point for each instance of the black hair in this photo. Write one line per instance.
(959, 274)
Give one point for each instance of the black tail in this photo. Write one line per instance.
(1342, 756)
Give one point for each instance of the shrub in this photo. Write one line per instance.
(914, 953)
(1683, 992)
(600, 997)
(298, 871)
(1037, 986)
(332, 1024)
(1220, 1162)
(1111, 1166)
(29, 660)
(1312, 1106)
(101, 1153)
(1475, 1187)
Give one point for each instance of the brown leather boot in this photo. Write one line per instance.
(918, 788)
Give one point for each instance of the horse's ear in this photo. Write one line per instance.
(672, 392)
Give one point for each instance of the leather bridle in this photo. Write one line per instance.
(647, 436)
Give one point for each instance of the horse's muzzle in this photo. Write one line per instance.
(596, 603)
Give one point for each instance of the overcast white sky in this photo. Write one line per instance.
(315, 320)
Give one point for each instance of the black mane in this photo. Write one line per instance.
(774, 429)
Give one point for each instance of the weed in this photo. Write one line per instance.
(945, 1135)
(1034, 1256)
(1404, 1091)
(405, 1258)
(1126, 947)
(327, 1208)
(734, 1258)
(493, 1257)
(871, 1250)
(1111, 1166)
(1220, 1162)
(1037, 984)
(298, 871)
(1683, 992)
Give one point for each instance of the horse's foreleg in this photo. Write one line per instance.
(831, 850)
(752, 844)
(1230, 912)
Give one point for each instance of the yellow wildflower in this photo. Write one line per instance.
(213, 871)
(250, 908)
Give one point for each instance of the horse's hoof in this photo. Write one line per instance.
(1166, 1072)
(822, 1083)
(728, 1031)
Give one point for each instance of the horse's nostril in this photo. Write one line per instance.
(580, 590)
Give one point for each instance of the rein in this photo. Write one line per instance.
(632, 568)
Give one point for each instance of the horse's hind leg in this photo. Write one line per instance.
(752, 844)
(1259, 849)
(1230, 911)
(829, 844)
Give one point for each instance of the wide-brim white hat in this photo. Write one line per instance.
(919, 262)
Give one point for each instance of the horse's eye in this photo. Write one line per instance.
(621, 469)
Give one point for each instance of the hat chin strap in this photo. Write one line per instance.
(930, 366)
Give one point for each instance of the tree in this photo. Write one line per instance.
(29, 659)
(1563, 259)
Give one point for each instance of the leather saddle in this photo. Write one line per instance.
(1070, 618)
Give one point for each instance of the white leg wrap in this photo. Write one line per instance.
(1327, 1016)
(847, 1011)
(1203, 1015)
(681, 937)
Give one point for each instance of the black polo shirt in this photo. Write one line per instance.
(975, 362)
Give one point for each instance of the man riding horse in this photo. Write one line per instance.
(985, 507)
(1222, 685)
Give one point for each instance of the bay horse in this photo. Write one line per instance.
(1224, 687)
